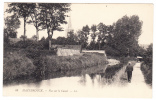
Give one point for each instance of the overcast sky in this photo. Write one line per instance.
(88, 14)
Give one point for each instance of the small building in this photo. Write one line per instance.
(139, 58)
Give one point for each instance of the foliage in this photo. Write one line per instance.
(53, 15)
(12, 23)
(36, 19)
(21, 10)
(102, 33)
(48, 16)
(17, 65)
(35, 37)
(111, 51)
(147, 72)
(86, 29)
(71, 38)
(23, 37)
(61, 40)
(55, 63)
(148, 56)
(93, 46)
(126, 33)
(82, 38)
(93, 35)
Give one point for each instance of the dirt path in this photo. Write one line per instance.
(137, 88)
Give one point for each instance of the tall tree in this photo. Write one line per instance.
(93, 35)
(71, 38)
(86, 29)
(22, 10)
(126, 33)
(36, 19)
(110, 34)
(82, 39)
(102, 33)
(53, 15)
(12, 23)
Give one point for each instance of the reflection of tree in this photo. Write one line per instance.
(92, 76)
(83, 79)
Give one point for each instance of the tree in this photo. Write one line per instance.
(34, 37)
(126, 33)
(36, 19)
(86, 29)
(102, 33)
(71, 38)
(148, 56)
(23, 37)
(82, 39)
(21, 10)
(53, 15)
(12, 23)
(110, 34)
(93, 35)
(61, 41)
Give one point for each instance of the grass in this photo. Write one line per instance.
(123, 78)
(37, 63)
(55, 63)
(112, 70)
(147, 72)
(17, 65)
(22, 63)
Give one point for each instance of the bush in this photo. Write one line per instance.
(111, 51)
(147, 72)
(55, 63)
(35, 53)
(28, 44)
(17, 65)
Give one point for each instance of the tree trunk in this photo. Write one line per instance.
(49, 44)
(81, 48)
(24, 28)
(50, 39)
(93, 44)
(99, 45)
(37, 35)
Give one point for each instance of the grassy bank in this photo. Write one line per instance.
(21, 63)
(17, 65)
(56, 63)
(112, 70)
(147, 72)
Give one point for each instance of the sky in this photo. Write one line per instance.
(89, 14)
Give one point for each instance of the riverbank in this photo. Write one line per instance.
(120, 63)
(23, 63)
(147, 72)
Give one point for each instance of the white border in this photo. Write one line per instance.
(72, 1)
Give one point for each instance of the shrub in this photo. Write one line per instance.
(147, 72)
(54, 63)
(28, 44)
(111, 51)
(17, 65)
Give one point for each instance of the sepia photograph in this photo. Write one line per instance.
(78, 50)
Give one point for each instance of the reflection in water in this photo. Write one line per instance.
(89, 82)
(93, 76)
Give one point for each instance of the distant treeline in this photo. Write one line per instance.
(118, 39)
